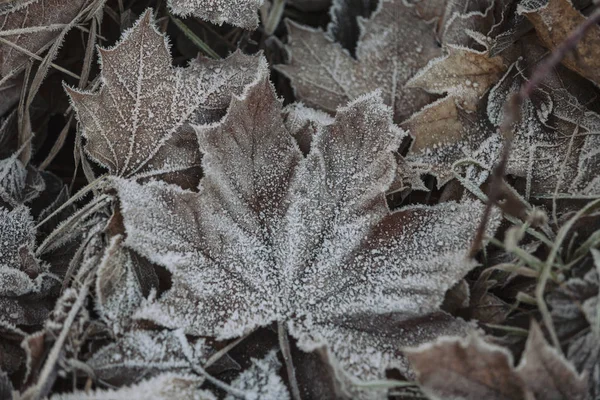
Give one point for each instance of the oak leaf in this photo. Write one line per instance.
(137, 124)
(305, 241)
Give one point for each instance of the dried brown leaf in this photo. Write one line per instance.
(554, 21)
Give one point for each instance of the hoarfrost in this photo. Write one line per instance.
(141, 354)
(261, 380)
(166, 386)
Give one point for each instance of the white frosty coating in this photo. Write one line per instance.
(261, 380)
(394, 44)
(275, 236)
(168, 386)
(242, 13)
(16, 230)
(118, 292)
(19, 184)
(135, 124)
(446, 134)
(17, 237)
(574, 311)
(140, 354)
(549, 120)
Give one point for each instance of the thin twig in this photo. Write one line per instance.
(512, 115)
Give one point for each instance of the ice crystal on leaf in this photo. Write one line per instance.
(21, 273)
(305, 241)
(242, 13)
(394, 43)
(261, 380)
(471, 369)
(137, 123)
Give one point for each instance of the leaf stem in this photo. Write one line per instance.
(284, 344)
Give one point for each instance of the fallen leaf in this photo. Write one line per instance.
(547, 374)
(142, 354)
(462, 73)
(305, 241)
(261, 380)
(136, 125)
(33, 26)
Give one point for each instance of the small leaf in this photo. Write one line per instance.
(137, 123)
(242, 13)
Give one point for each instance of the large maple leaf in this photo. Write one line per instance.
(305, 241)
(137, 123)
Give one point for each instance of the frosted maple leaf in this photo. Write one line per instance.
(243, 13)
(308, 242)
(393, 45)
(137, 123)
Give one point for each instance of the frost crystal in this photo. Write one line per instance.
(137, 124)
